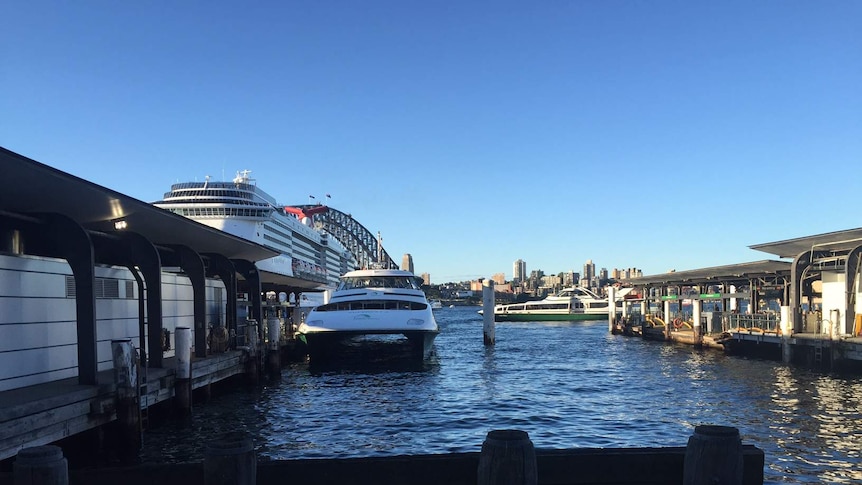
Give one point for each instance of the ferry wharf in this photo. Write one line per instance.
(805, 311)
(113, 309)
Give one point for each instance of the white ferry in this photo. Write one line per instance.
(576, 303)
(239, 207)
(372, 302)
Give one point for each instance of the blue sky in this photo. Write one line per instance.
(649, 134)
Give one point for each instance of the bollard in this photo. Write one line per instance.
(713, 455)
(507, 458)
(183, 384)
(488, 331)
(40, 465)
(230, 460)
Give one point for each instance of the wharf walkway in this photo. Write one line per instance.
(45, 413)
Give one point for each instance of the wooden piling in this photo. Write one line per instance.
(40, 465)
(713, 455)
(612, 308)
(507, 458)
(230, 460)
(273, 354)
(253, 364)
(488, 330)
(183, 383)
(128, 424)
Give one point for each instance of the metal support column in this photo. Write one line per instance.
(147, 259)
(193, 266)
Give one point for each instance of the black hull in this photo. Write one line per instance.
(413, 345)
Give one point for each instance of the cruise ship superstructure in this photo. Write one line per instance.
(309, 255)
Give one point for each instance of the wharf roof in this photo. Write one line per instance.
(838, 241)
(715, 274)
(33, 187)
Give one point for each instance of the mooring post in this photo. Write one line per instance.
(273, 327)
(488, 331)
(183, 384)
(713, 455)
(40, 465)
(507, 458)
(612, 308)
(128, 424)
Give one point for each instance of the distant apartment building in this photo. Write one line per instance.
(624, 274)
(519, 271)
(407, 262)
(535, 279)
(552, 282)
(589, 271)
(571, 278)
(499, 278)
(426, 279)
(478, 286)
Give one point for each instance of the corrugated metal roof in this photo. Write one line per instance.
(839, 241)
(741, 271)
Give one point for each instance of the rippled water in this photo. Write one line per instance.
(568, 385)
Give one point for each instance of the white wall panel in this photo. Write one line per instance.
(37, 335)
(36, 361)
(36, 310)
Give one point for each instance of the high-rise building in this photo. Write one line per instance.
(426, 279)
(499, 278)
(589, 271)
(407, 262)
(519, 271)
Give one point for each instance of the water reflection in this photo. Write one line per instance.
(567, 385)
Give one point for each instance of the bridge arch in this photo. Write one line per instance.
(354, 236)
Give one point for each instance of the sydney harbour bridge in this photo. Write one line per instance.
(364, 245)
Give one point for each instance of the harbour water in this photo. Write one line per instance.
(568, 385)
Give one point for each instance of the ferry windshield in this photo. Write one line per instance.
(354, 282)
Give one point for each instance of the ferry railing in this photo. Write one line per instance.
(756, 322)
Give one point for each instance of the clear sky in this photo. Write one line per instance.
(648, 134)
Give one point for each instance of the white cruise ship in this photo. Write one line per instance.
(308, 253)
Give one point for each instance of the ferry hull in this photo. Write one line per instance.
(326, 345)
